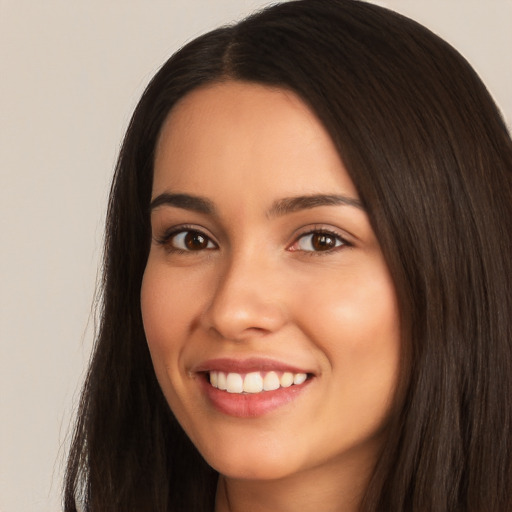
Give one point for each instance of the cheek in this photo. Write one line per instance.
(355, 322)
(166, 310)
(163, 313)
(360, 304)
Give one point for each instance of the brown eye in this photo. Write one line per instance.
(322, 242)
(190, 240)
(195, 241)
(319, 241)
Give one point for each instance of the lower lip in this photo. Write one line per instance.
(251, 405)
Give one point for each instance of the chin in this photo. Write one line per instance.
(241, 470)
(251, 461)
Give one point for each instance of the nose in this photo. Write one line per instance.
(246, 302)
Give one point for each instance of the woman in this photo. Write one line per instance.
(307, 297)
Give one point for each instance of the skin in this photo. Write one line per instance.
(258, 287)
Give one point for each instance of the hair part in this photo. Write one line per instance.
(431, 159)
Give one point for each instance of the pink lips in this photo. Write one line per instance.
(249, 405)
(252, 364)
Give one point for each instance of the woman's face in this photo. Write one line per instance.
(268, 308)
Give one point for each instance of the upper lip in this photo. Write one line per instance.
(247, 365)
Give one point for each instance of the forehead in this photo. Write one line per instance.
(244, 133)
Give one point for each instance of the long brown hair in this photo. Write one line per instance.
(432, 161)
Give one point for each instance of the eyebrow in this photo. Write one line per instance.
(293, 204)
(184, 201)
(279, 208)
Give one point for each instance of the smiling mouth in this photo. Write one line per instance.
(254, 382)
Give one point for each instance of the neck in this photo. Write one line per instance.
(326, 489)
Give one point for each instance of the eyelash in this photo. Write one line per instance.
(168, 236)
(340, 240)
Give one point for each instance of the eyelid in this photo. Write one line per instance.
(345, 239)
(165, 238)
(321, 229)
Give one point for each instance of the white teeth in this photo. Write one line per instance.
(221, 380)
(254, 382)
(286, 380)
(299, 378)
(271, 381)
(234, 383)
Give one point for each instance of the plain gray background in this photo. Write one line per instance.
(71, 73)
